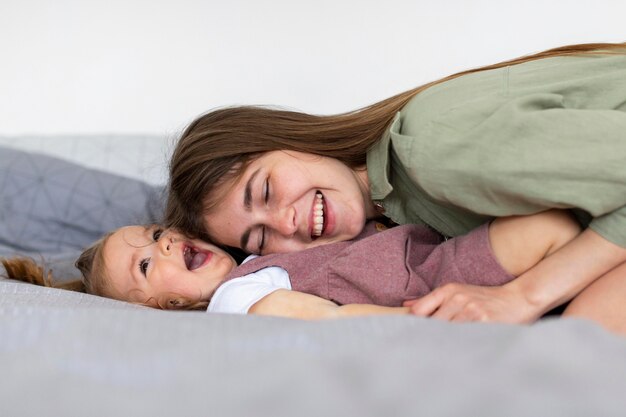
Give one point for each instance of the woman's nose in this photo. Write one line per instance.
(284, 221)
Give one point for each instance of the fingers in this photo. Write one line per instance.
(409, 303)
(426, 305)
(451, 303)
(453, 307)
(470, 311)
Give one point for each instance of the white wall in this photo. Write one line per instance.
(150, 66)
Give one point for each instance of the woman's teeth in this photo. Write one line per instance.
(318, 215)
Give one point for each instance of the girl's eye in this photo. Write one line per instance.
(156, 235)
(143, 266)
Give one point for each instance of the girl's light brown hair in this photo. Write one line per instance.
(90, 263)
(95, 281)
(215, 148)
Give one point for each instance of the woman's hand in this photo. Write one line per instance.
(462, 302)
(552, 282)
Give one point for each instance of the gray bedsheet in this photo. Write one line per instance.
(69, 354)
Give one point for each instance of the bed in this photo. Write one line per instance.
(66, 354)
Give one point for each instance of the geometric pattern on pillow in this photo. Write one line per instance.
(53, 208)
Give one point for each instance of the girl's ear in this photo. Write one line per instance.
(174, 302)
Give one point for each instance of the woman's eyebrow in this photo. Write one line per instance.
(247, 193)
(247, 205)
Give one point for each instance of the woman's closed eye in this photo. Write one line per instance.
(266, 190)
(262, 236)
(156, 235)
(263, 230)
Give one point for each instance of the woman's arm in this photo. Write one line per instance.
(603, 301)
(560, 277)
(294, 304)
(553, 281)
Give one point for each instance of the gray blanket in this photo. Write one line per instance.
(69, 354)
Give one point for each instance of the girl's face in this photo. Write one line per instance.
(148, 265)
(287, 201)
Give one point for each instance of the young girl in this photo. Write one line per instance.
(373, 274)
(540, 132)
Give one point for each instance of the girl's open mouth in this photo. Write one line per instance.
(195, 257)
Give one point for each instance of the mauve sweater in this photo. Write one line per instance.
(386, 267)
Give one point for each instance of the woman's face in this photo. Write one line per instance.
(287, 201)
(146, 265)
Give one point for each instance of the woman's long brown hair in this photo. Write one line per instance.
(216, 147)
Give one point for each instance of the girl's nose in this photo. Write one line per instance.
(166, 244)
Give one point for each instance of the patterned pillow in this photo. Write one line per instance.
(50, 209)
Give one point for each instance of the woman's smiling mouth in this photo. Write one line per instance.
(318, 215)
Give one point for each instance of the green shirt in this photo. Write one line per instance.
(544, 134)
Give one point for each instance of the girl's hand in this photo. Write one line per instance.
(462, 302)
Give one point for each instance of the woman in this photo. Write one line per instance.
(539, 132)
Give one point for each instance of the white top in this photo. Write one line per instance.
(239, 294)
